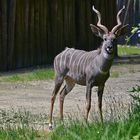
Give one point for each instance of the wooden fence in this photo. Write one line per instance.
(32, 32)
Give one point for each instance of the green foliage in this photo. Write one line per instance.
(136, 104)
(136, 108)
(137, 137)
(135, 89)
(133, 31)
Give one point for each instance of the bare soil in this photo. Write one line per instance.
(35, 96)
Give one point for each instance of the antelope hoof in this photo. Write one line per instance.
(50, 127)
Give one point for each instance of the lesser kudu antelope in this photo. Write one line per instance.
(87, 68)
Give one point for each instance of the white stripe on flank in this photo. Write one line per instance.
(63, 54)
(55, 66)
(56, 63)
(71, 58)
(85, 61)
(64, 62)
(61, 61)
(78, 64)
(74, 66)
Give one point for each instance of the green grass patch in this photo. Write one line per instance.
(40, 74)
(17, 134)
(125, 130)
(22, 125)
(114, 74)
(132, 50)
(122, 129)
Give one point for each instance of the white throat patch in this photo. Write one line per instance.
(107, 56)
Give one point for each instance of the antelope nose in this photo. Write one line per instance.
(110, 47)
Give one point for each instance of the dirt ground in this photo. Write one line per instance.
(34, 96)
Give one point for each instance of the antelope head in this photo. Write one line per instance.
(109, 37)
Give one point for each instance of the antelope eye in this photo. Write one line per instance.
(105, 39)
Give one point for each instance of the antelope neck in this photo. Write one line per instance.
(104, 62)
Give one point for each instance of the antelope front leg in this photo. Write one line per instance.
(100, 94)
(88, 100)
(67, 88)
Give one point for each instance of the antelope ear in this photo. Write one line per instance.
(97, 31)
(122, 30)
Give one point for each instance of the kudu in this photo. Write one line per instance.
(86, 68)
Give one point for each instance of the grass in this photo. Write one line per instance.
(114, 74)
(22, 125)
(17, 134)
(122, 129)
(74, 130)
(39, 74)
(125, 130)
(125, 51)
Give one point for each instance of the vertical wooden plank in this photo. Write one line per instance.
(22, 34)
(41, 26)
(60, 27)
(52, 28)
(72, 23)
(66, 25)
(48, 31)
(43, 31)
(81, 37)
(69, 23)
(19, 35)
(3, 35)
(31, 32)
(11, 33)
(88, 21)
(136, 6)
(37, 57)
(26, 33)
(1, 48)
